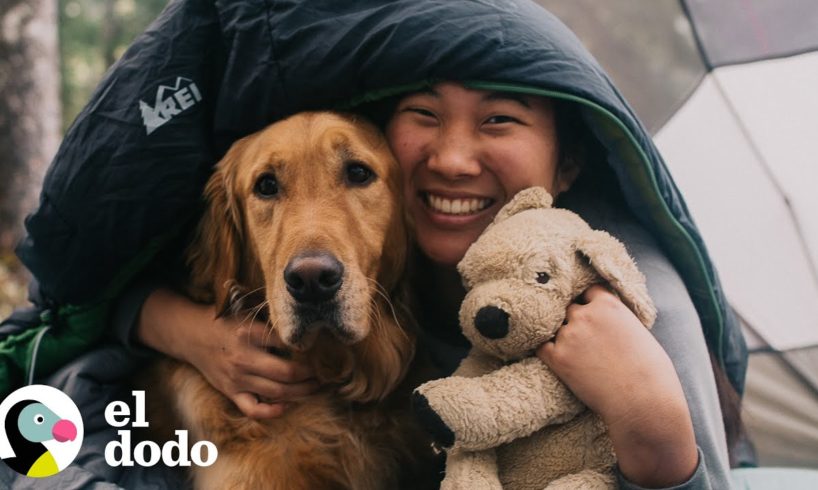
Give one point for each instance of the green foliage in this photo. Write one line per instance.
(93, 35)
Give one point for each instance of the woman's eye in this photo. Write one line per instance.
(421, 111)
(543, 277)
(266, 186)
(359, 174)
(501, 119)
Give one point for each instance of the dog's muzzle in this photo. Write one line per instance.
(313, 277)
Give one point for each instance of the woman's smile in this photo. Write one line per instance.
(455, 206)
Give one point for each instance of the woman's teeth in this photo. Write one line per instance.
(457, 206)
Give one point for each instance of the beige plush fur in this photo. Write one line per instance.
(515, 425)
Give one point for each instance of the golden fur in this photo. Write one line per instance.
(356, 432)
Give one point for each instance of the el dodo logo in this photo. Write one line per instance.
(41, 431)
(148, 453)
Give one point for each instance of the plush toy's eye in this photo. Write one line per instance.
(543, 277)
(266, 186)
(39, 419)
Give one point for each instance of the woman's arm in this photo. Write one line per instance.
(677, 330)
(614, 365)
(231, 354)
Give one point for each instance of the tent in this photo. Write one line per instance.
(730, 91)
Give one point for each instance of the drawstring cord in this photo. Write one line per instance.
(34, 353)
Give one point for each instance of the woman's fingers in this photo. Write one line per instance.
(596, 291)
(250, 352)
(266, 365)
(571, 312)
(275, 391)
(578, 310)
(250, 406)
(260, 382)
(546, 351)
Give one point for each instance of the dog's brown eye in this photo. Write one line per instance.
(266, 186)
(359, 174)
(543, 277)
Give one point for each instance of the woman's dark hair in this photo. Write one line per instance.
(379, 111)
(580, 149)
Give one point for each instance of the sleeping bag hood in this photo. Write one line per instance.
(133, 165)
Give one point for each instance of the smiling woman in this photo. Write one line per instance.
(465, 153)
(460, 147)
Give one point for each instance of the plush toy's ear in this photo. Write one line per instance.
(610, 259)
(213, 256)
(531, 198)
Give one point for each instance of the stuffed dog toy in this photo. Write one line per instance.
(503, 417)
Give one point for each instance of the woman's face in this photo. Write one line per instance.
(464, 153)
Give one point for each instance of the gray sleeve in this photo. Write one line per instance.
(698, 481)
(679, 331)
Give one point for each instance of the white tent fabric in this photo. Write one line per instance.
(780, 414)
(777, 102)
(736, 156)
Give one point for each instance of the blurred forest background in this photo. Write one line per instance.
(52, 55)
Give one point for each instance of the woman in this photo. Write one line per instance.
(321, 54)
(456, 144)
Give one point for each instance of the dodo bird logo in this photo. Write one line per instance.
(42, 431)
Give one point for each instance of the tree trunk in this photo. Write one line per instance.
(29, 108)
(29, 126)
(111, 32)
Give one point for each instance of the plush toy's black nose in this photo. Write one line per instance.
(492, 322)
(314, 277)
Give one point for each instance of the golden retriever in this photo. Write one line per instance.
(304, 226)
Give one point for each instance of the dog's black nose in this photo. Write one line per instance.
(314, 277)
(492, 322)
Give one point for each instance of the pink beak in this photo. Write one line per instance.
(64, 430)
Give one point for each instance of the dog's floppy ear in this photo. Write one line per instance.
(395, 250)
(531, 198)
(213, 256)
(611, 260)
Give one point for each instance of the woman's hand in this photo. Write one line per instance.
(617, 368)
(232, 355)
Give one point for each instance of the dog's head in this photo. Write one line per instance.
(306, 214)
